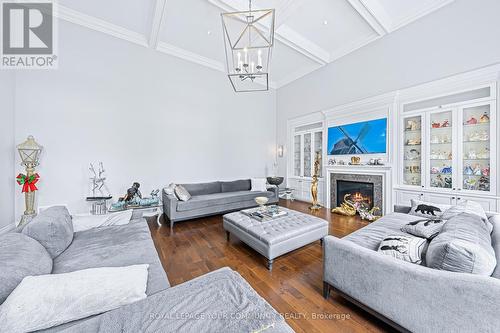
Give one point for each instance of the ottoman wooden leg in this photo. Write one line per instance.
(228, 236)
(321, 242)
(270, 264)
(326, 290)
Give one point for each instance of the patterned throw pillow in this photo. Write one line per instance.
(170, 189)
(427, 209)
(425, 228)
(470, 207)
(181, 193)
(404, 247)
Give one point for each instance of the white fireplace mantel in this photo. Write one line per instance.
(379, 170)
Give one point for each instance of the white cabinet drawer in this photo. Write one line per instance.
(440, 199)
(404, 197)
(489, 205)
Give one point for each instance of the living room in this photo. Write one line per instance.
(249, 166)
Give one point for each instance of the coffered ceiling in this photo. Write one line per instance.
(309, 34)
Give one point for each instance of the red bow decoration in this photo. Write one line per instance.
(28, 183)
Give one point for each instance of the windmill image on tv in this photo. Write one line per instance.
(348, 145)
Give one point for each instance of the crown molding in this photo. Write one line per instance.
(380, 24)
(432, 7)
(96, 24)
(190, 56)
(158, 15)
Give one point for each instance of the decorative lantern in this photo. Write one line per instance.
(248, 40)
(29, 151)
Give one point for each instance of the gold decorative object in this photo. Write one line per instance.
(350, 207)
(314, 183)
(355, 160)
(29, 151)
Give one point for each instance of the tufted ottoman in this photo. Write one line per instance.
(276, 237)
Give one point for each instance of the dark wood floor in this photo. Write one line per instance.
(293, 288)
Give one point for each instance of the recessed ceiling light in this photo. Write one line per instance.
(325, 22)
(209, 32)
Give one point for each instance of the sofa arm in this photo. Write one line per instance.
(276, 191)
(169, 205)
(418, 298)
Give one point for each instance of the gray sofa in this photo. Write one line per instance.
(213, 198)
(218, 295)
(410, 297)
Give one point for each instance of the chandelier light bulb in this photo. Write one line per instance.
(245, 50)
(259, 59)
(252, 67)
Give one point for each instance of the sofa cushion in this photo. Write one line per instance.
(181, 193)
(52, 228)
(425, 228)
(219, 199)
(203, 188)
(427, 209)
(20, 256)
(468, 206)
(495, 241)
(371, 235)
(464, 245)
(236, 186)
(259, 184)
(114, 246)
(404, 247)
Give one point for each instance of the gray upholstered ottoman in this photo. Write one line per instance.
(276, 237)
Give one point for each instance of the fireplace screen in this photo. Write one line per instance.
(357, 191)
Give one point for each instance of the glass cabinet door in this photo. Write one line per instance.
(441, 149)
(296, 156)
(307, 154)
(412, 155)
(476, 148)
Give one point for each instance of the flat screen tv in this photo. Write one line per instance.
(367, 137)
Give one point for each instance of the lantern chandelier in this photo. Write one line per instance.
(248, 40)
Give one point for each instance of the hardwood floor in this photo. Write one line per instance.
(293, 288)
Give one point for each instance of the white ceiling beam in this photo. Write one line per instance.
(374, 14)
(158, 14)
(296, 41)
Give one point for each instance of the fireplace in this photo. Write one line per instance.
(356, 191)
(362, 187)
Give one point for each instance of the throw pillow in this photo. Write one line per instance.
(86, 222)
(170, 189)
(20, 256)
(427, 209)
(426, 228)
(181, 193)
(259, 184)
(468, 206)
(52, 228)
(71, 296)
(404, 247)
(464, 245)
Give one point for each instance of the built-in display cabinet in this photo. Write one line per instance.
(307, 139)
(448, 149)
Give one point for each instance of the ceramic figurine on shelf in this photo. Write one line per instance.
(450, 156)
(434, 170)
(477, 170)
(446, 169)
(445, 123)
(447, 182)
(412, 125)
(435, 139)
(484, 136)
(484, 184)
(446, 139)
(472, 154)
(439, 181)
(433, 155)
(486, 171)
(484, 154)
(470, 183)
(413, 142)
(471, 121)
(435, 125)
(484, 118)
(473, 136)
(468, 170)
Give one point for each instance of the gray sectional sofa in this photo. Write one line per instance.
(219, 295)
(410, 297)
(213, 198)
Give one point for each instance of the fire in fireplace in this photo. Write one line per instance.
(358, 191)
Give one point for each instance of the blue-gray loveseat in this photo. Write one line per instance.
(213, 198)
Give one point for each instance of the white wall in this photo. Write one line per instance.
(457, 38)
(149, 117)
(7, 172)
